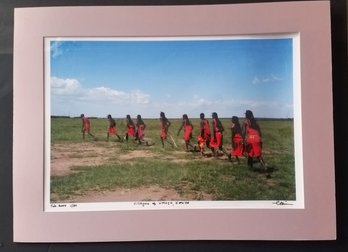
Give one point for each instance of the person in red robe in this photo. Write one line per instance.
(112, 130)
(86, 127)
(140, 131)
(165, 124)
(188, 127)
(130, 127)
(205, 135)
(237, 140)
(217, 137)
(253, 139)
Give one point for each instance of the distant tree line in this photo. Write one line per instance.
(259, 118)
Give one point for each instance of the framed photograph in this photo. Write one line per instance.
(185, 76)
(205, 122)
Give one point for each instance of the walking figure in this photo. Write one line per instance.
(86, 127)
(237, 140)
(188, 127)
(205, 135)
(165, 124)
(217, 137)
(140, 131)
(130, 127)
(253, 139)
(112, 130)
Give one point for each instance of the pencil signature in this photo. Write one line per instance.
(281, 203)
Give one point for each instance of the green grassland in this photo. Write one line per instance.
(172, 168)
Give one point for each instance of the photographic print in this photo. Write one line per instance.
(190, 120)
(133, 114)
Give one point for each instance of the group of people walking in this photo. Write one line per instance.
(246, 139)
(133, 129)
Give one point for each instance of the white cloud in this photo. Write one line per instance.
(73, 89)
(138, 97)
(115, 96)
(64, 86)
(69, 97)
(267, 79)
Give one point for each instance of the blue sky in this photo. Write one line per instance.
(144, 77)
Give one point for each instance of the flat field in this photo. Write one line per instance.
(94, 170)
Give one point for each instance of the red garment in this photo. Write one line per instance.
(253, 140)
(216, 140)
(141, 131)
(205, 129)
(131, 130)
(187, 131)
(201, 142)
(112, 130)
(237, 146)
(204, 137)
(163, 133)
(86, 124)
(254, 149)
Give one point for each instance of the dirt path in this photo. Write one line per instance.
(65, 156)
(150, 193)
(153, 193)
